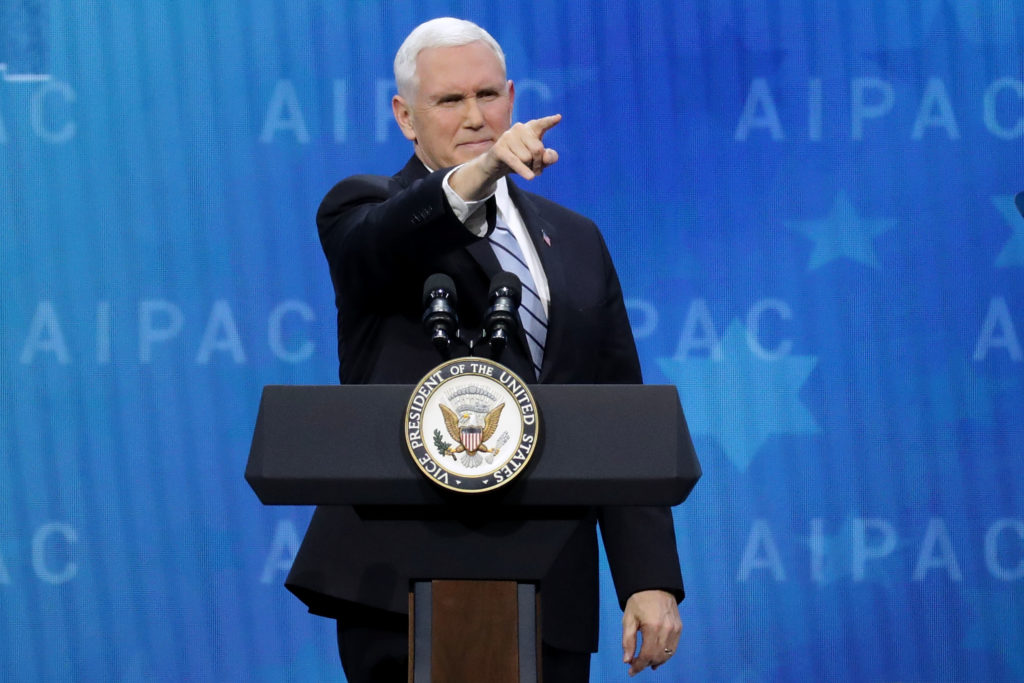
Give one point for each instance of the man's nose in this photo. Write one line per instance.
(474, 117)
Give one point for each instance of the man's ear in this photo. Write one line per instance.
(403, 115)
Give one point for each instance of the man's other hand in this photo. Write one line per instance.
(656, 615)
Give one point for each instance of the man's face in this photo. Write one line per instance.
(462, 105)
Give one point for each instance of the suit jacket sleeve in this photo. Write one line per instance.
(640, 541)
(375, 231)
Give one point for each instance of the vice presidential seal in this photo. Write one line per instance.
(471, 425)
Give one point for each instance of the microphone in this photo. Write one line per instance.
(501, 318)
(439, 318)
(1019, 200)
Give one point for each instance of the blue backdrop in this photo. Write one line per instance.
(810, 206)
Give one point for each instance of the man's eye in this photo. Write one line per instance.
(450, 101)
(487, 96)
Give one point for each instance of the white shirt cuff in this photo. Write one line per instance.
(472, 214)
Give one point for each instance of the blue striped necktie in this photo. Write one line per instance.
(531, 310)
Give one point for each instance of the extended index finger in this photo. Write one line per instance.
(544, 124)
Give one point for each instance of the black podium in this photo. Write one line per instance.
(599, 445)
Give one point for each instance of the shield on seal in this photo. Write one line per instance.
(470, 438)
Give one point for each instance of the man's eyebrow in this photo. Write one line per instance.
(449, 97)
(456, 96)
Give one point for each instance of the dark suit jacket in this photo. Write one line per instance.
(383, 237)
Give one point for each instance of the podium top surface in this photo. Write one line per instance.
(598, 445)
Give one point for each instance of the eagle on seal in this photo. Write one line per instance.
(470, 429)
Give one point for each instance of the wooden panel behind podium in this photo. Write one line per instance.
(474, 631)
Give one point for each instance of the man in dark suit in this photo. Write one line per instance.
(383, 237)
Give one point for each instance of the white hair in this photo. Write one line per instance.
(440, 32)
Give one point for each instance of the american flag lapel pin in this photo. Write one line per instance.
(547, 240)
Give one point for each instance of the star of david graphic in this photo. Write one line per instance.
(742, 400)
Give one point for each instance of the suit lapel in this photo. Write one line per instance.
(484, 256)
